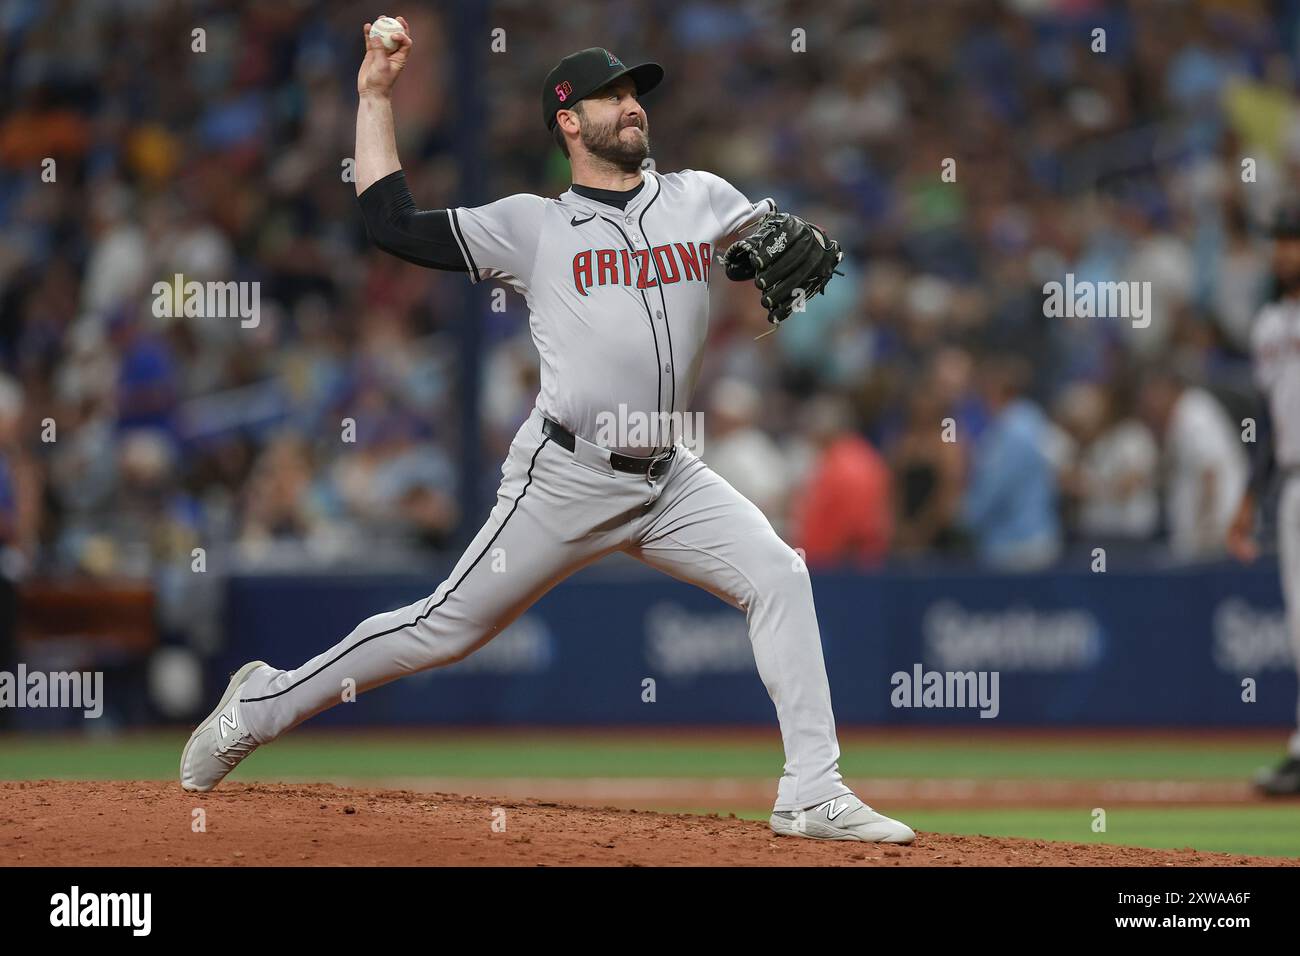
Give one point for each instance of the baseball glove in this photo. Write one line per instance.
(790, 261)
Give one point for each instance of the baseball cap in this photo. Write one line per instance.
(580, 74)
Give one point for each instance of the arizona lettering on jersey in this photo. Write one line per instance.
(641, 268)
(639, 351)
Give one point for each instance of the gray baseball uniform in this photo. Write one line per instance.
(1275, 347)
(618, 302)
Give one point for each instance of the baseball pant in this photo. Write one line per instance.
(558, 511)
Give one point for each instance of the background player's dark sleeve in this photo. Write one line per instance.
(1261, 459)
(421, 236)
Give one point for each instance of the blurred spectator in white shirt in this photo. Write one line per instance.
(1205, 464)
(741, 452)
(1115, 475)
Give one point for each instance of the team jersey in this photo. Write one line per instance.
(618, 299)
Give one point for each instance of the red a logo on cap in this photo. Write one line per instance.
(563, 91)
(613, 60)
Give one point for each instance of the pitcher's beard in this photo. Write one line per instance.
(607, 144)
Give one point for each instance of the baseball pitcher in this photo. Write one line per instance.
(615, 272)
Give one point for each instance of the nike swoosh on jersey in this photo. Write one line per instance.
(575, 221)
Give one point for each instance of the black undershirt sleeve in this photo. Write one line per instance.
(421, 236)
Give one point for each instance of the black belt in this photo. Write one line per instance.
(654, 467)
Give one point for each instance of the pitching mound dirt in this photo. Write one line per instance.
(80, 823)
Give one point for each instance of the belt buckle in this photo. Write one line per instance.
(659, 467)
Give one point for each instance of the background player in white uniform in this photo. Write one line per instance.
(616, 276)
(1275, 349)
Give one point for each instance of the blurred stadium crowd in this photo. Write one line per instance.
(925, 408)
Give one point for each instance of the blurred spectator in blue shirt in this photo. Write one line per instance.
(1010, 505)
(146, 382)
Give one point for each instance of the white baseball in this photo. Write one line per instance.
(384, 28)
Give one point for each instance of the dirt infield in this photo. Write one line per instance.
(691, 793)
(80, 823)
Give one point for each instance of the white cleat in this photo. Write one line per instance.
(841, 818)
(221, 741)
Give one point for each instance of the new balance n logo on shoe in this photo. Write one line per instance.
(230, 720)
(833, 811)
